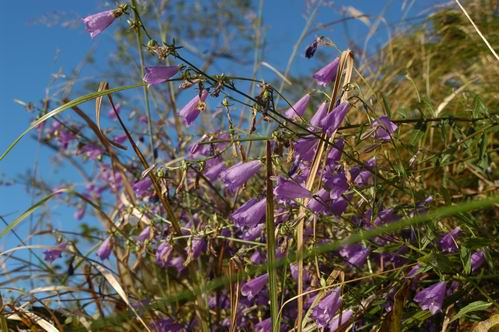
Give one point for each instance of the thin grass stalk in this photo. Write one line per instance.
(146, 89)
(271, 247)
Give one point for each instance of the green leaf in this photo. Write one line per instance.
(473, 306)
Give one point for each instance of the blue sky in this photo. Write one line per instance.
(33, 52)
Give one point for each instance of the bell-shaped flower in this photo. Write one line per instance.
(254, 286)
(159, 74)
(327, 74)
(239, 174)
(299, 108)
(288, 190)
(190, 112)
(431, 298)
(250, 213)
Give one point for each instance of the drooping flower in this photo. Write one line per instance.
(159, 74)
(310, 51)
(319, 201)
(327, 307)
(327, 74)
(253, 233)
(294, 273)
(264, 326)
(340, 320)
(335, 154)
(305, 147)
(477, 260)
(213, 168)
(191, 111)
(104, 250)
(198, 246)
(237, 175)
(448, 241)
(431, 298)
(167, 325)
(142, 187)
(298, 109)
(340, 205)
(288, 189)
(55, 253)
(337, 184)
(145, 234)
(254, 286)
(98, 22)
(319, 115)
(163, 254)
(332, 121)
(250, 213)
(355, 254)
(384, 128)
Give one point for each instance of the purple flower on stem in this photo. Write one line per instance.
(448, 241)
(335, 154)
(191, 111)
(198, 246)
(145, 234)
(55, 253)
(159, 74)
(98, 22)
(250, 213)
(288, 189)
(252, 287)
(355, 254)
(239, 174)
(141, 187)
(319, 115)
(337, 184)
(431, 298)
(294, 273)
(319, 201)
(340, 205)
(163, 254)
(477, 259)
(340, 320)
(333, 119)
(327, 307)
(384, 128)
(264, 326)
(213, 168)
(305, 148)
(298, 109)
(104, 250)
(253, 233)
(327, 74)
(166, 325)
(80, 213)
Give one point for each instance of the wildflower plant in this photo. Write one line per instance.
(228, 204)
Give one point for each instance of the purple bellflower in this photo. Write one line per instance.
(159, 74)
(319, 201)
(340, 320)
(104, 250)
(98, 22)
(305, 148)
(145, 234)
(264, 326)
(327, 74)
(191, 111)
(448, 241)
(213, 168)
(298, 109)
(337, 184)
(163, 254)
(142, 187)
(327, 307)
(250, 213)
(254, 286)
(319, 115)
(288, 190)
(333, 119)
(477, 260)
(431, 298)
(355, 254)
(239, 174)
(55, 253)
(384, 128)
